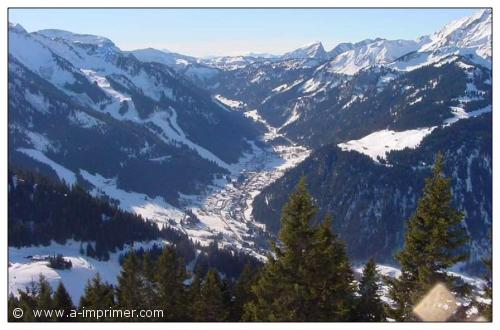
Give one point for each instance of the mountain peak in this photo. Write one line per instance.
(314, 44)
(313, 50)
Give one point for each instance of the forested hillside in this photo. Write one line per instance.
(309, 261)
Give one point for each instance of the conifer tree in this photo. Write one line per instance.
(434, 242)
(90, 252)
(27, 302)
(43, 297)
(369, 306)
(309, 278)
(150, 284)
(193, 295)
(242, 292)
(281, 292)
(212, 304)
(329, 277)
(36, 296)
(97, 295)
(62, 301)
(148, 266)
(400, 292)
(170, 276)
(130, 289)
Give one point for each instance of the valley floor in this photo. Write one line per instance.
(225, 210)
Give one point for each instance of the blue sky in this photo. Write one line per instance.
(204, 32)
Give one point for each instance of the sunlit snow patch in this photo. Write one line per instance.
(232, 104)
(102, 82)
(155, 209)
(311, 85)
(171, 131)
(460, 113)
(293, 117)
(62, 172)
(379, 144)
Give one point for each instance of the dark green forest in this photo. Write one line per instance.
(307, 277)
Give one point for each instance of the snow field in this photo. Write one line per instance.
(378, 144)
(23, 271)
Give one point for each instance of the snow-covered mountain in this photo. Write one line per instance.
(366, 54)
(467, 35)
(311, 51)
(92, 71)
(85, 112)
(284, 91)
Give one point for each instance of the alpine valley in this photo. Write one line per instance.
(209, 149)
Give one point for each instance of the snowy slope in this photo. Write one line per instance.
(378, 144)
(103, 58)
(153, 209)
(459, 113)
(80, 65)
(469, 37)
(23, 270)
(465, 35)
(63, 173)
(37, 57)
